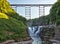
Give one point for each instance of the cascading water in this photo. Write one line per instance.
(34, 32)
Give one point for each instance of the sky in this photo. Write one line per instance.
(32, 1)
(34, 10)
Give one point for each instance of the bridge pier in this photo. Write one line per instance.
(28, 12)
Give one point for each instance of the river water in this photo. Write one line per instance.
(34, 33)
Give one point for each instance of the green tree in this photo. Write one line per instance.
(14, 27)
(55, 13)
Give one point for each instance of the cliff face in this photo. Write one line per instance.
(55, 18)
(12, 26)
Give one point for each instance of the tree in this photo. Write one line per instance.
(55, 13)
(12, 25)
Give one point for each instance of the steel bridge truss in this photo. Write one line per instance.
(28, 8)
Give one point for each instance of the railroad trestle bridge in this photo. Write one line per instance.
(41, 8)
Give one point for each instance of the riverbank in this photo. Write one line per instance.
(30, 41)
(12, 42)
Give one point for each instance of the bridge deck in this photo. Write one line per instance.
(31, 4)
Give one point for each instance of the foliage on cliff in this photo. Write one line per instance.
(55, 13)
(7, 9)
(12, 25)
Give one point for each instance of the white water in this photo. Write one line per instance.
(34, 33)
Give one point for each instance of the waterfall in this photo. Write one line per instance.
(34, 33)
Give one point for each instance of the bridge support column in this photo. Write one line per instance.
(41, 11)
(28, 12)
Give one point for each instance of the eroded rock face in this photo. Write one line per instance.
(57, 33)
